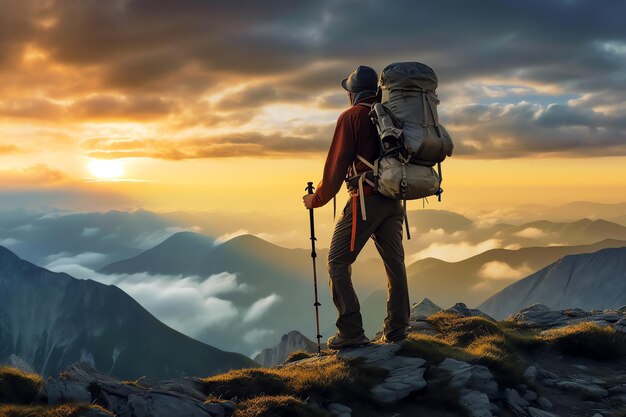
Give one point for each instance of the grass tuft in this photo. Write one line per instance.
(299, 355)
(276, 406)
(461, 331)
(432, 348)
(586, 339)
(18, 387)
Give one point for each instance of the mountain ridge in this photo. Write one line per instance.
(588, 281)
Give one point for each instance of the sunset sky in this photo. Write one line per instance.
(215, 105)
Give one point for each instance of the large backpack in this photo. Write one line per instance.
(412, 139)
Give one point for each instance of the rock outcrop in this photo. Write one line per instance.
(180, 397)
(540, 316)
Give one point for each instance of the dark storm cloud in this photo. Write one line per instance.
(296, 52)
(518, 129)
(16, 28)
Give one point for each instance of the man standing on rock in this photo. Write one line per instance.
(355, 134)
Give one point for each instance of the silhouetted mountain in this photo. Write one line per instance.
(52, 319)
(590, 281)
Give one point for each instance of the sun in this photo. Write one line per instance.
(108, 169)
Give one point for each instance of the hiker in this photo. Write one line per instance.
(356, 134)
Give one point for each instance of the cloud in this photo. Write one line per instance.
(8, 149)
(90, 231)
(511, 130)
(496, 270)
(34, 175)
(222, 283)
(528, 78)
(227, 145)
(60, 260)
(531, 232)
(260, 307)
(258, 336)
(228, 236)
(454, 252)
(9, 241)
(188, 304)
(149, 240)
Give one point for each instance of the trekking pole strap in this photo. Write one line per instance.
(354, 214)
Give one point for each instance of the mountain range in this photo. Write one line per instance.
(51, 319)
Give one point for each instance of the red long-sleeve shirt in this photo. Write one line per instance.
(354, 134)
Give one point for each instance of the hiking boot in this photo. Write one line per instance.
(339, 342)
(399, 340)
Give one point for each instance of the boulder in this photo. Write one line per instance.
(462, 310)
(406, 375)
(586, 389)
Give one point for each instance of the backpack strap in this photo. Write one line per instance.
(424, 124)
(361, 196)
(434, 116)
(406, 221)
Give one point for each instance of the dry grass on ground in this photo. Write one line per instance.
(17, 386)
(469, 339)
(276, 406)
(328, 378)
(44, 411)
(586, 339)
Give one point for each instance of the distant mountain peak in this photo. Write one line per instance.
(289, 343)
(8, 254)
(425, 308)
(188, 236)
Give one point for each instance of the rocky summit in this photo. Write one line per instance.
(457, 362)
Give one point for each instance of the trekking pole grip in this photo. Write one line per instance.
(309, 187)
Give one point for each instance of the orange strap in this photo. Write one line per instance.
(353, 237)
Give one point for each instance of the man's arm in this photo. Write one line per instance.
(341, 154)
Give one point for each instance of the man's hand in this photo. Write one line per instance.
(307, 199)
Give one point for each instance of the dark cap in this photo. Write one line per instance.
(363, 78)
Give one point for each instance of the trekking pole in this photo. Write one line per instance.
(310, 189)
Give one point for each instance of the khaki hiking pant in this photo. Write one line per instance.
(384, 224)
